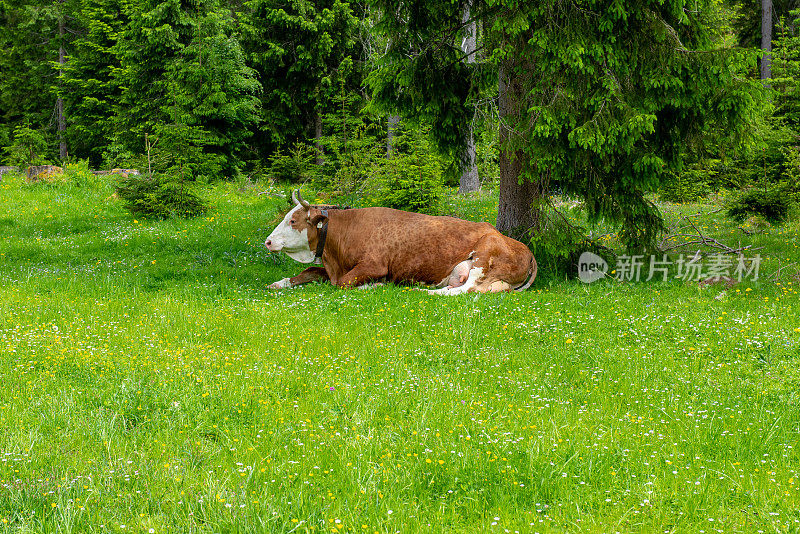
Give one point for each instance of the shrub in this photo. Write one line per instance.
(559, 246)
(688, 186)
(770, 160)
(28, 148)
(771, 204)
(487, 155)
(296, 165)
(411, 180)
(160, 196)
(351, 168)
(792, 172)
(353, 145)
(410, 187)
(79, 175)
(184, 152)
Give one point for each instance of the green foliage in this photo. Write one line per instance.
(411, 185)
(412, 178)
(562, 240)
(29, 147)
(786, 69)
(29, 45)
(296, 165)
(792, 168)
(79, 174)
(487, 152)
(422, 76)
(772, 204)
(356, 166)
(302, 52)
(174, 161)
(213, 91)
(182, 66)
(769, 160)
(160, 196)
(116, 154)
(769, 170)
(353, 147)
(90, 84)
(602, 97)
(747, 21)
(692, 184)
(181, 150)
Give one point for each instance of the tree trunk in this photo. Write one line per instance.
(519, 212)
(394, 121)
(469, 181)
(62, 123)
(766, 39)
(318, 136)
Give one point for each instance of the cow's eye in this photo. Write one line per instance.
(291, 222)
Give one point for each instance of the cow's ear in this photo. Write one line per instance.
(315, 216)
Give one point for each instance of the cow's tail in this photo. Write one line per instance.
(531, 276)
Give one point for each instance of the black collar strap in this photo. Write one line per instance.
(321, 237)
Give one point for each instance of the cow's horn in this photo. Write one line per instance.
(298, 199)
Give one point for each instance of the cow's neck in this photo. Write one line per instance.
(332, 249)
(322, 236)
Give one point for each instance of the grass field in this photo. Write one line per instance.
(150, 383)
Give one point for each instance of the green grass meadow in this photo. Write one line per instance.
(149, 383)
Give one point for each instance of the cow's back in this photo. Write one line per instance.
(413, 246)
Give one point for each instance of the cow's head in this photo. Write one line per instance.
(296, 235)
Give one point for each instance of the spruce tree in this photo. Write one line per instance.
(302, 52)
(601, 96)
(34, 34)
(786, 70)
(749, 19)
(182, 65)
(90, 87)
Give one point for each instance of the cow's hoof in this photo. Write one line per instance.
(280, 284)
(442, 291)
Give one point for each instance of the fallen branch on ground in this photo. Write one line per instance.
(699, 238)
(777, 274)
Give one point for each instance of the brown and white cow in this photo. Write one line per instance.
(361, 246)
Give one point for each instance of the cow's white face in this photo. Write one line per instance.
(291, 236)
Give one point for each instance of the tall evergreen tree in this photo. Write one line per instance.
(786, 69)
(600, 95)
(749, 18)
(301, 50)
(34, 35)
(766, 38)
(90, 86)
(182, 65)
(469, 181)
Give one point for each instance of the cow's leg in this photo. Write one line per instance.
(361, 274)
(498, 264)
(311, 274)
(474, 276)
(476, 282)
